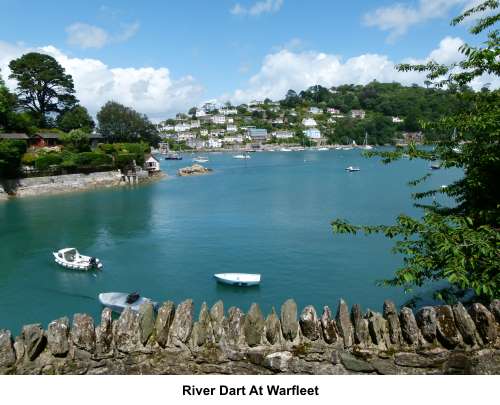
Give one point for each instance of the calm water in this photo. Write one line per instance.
(270, 215)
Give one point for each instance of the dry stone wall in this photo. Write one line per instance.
(434, 340)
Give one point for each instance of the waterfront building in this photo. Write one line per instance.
(152, 164)
(233, 139)
(215, 143)
(309, 122)
(283, 134)
(358, 114)
(333, 111)
(313, 133)
(185, 136)
(194, 124)
(258, 134)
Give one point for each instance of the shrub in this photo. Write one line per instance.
(92, 159)
(43, 162)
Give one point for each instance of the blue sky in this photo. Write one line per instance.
(225, 49)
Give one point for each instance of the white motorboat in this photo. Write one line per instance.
(353, 169)
(72, 259)
(238, 279)
(200, 159)
(246, 156)
(323, 149)
(117, 301)
(285, 150)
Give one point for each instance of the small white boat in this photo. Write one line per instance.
(347, 148)
(247, 156)
(72, 259)
(285, 150)
(323, 149)
(117, 301)
(238, 279)
(365, 143)
(200, 159)
(353, 169)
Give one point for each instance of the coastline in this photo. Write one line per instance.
(70, 183)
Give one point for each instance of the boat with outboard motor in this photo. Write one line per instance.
(118, 301)
(353, 169)
(238, 279)
(72, 259)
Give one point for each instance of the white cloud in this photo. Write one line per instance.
(285, 69)
(89, 36)
(148, 90)
(258, 8)
(398, 18)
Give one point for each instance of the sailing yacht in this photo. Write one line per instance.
(365, 143)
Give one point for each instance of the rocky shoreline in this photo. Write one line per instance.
(436, 340)
(68, 183)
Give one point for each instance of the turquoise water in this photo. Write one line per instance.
(270, 215)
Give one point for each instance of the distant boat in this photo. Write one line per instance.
(365, 143)
(200, 159)
(72, 259)
(285, 150)
(173, 156)
(323, 149)
(435, 166)
(247, 156)
(347, 147)
(353, 169)
(238, 279)
(118, 301)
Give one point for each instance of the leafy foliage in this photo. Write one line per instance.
(76, 141)
(11, 152)
(458, 243)
(76, 118)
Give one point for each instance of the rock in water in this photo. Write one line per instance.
(34, 340)
(7, 355)
(426, 320)
(104, 333)
(217, 320)
(182, 325)
(58, 337)
(234, 327)
(289, 324)
(193, 170)
(254, 326)
(330, 332)
(485, 322)
(344, 324)
(273, 328)
(409, 327)
(126, 331)
(465, 324)
(83, 332)
(164, 321)
(447, 331)
(309, 323)
(146, 321)
(391, 315)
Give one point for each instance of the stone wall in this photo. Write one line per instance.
(434, 340)
(36, 186)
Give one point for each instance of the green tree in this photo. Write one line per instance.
(76, 118)
(458, 243)
(77, 140)
(11, 152)
(118, 123)
(43, 86)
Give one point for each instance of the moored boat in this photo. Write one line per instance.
(238, 279)
(118, 301)
(353, 169)
(247, 156)
(72, 259)
(173, 156)
(200, 159)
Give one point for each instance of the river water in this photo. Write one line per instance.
(270, 214)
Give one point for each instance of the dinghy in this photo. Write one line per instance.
(242, 156)
(72, 259)
(239, 279)
(118, 301)
(353, 169)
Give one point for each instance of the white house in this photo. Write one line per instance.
(195, 124)
(312, 133)
(152, 164)
(333, 111)
(397, 120)
(219, 119)
(315, 110)
(185, 136)
(228, 111)
(358, 114)
(182, 126)
(278, 121)
(203, 132)
(258, 134)
(200, 113)
(309, 122)
(283, 134)
(231, 128)
(215, 143)
(233, 139)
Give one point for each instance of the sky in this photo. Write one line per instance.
(162, 57)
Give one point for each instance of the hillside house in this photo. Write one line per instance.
(152, 165)
(231, 128)
(313, 133)
(283, 134)
(309, 122)
(358, 114)
(397, 120)
(219, 119)
(315, 110)
(258, 134)
(182, 126)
